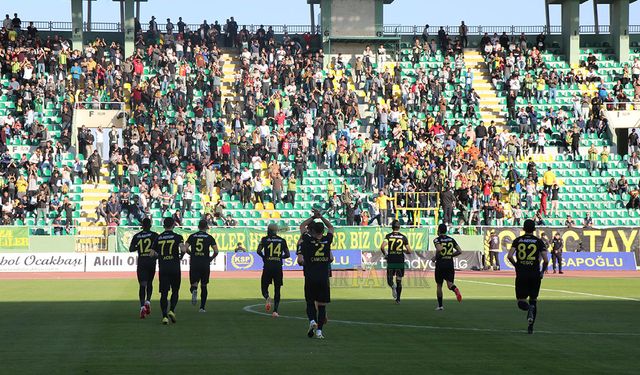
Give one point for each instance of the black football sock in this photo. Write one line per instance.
(204, 293)
(141, 294)
(192, 288)
(164, 303)
(534, 306)
(453, 288)
(174, 299)
(149, 290)
(398, 289)
(390, 281)
(322, 315)
(523, 305)
(264, 288)
(440, 301)
(276, 298)
(311, 311)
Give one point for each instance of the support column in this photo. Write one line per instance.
(122, 16)
(129, 28)
(313, 21)
(138, 9)
(547, 17)
(619, 28)
(595, 16)
(571, 30)
(76, 24)
(89, 15)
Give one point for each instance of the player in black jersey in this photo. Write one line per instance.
(272, 249)
(199, 246)
(396, 245)
(446, 249)
(314, 254)
(146, 270)
(556, 252)
(528, 250)
(169, 249)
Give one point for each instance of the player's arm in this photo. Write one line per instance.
(154, 245)
(438, 247)
(182, 246)
(305, 224)
(458, 249)
(407, 247)
(510, 255)
(383, 246)
(327, 223)
(260, 249)
(214, 247)
(133, 245)
(285, 251)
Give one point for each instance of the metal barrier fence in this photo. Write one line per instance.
(388, 29)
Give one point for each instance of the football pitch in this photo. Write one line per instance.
(584, 326)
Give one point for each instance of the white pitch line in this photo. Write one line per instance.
(555, 290)
(250, 309)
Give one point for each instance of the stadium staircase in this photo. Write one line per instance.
(230, 66)
(491, 108)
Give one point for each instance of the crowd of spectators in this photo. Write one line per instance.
(288, 107)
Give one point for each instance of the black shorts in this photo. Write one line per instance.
(317, 290)
(396, 270)
(199, 273)
(527, 286)
(442, 274)
(272, 275)
(146, 272)
(170, 278)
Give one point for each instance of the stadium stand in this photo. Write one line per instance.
(246, 129)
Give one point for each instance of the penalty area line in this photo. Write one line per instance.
(555, 290)
(251, 309)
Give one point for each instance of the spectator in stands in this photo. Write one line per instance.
(570, 223)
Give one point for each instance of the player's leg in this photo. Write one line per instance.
(521, 294)
(390, 274)
(194, 277)
(265, 280)
(323, 298)
(277, 284)
(164, 293)
(559, 256)
(399, 276)
(452, 287)
(175, 294)
(439, 281)
(553, 261)
(534, 290)
(312, 314)
(204, 288)
(142, 285)
(151, 273)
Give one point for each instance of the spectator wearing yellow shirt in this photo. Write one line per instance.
(604, 159)
(381, 201)
(548, 179)
(21, 187)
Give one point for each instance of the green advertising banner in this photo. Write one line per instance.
(14, 238)
(346, 238)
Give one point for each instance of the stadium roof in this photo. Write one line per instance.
(584, 1)
(318, 1)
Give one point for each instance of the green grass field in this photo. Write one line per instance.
(92, 326)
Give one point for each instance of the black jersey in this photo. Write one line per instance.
(200, 245)
(142, 243)
(317, 256)
(273, 249)
(396, 246)
(527, 253)
(167, 245)
(445, 248)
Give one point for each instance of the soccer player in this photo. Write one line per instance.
(272, 249)
(314, 254)
(146, 270)
(529, 250)
(199, 246)
(396, 245)
(446, 249)
(169, 248)
(556, 252)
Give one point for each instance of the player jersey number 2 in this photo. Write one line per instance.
(162, 247)
(275, 250)
(524, 248)
(144, 245)
(319, 250)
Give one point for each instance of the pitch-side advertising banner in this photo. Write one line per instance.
(582, 261)
(42, 262)
(250, 261)
(124, 262)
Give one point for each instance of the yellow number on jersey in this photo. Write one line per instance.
(319, 250)
(199, 245)
(395, 244)
(447, 249)
(275, 250)
(162, 243)
(144, 245)
(522, 251)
